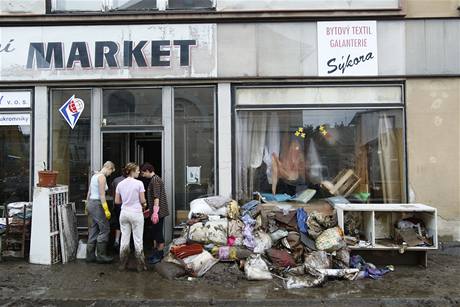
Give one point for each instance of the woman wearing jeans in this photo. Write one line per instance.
(130, 194)
(99, 229)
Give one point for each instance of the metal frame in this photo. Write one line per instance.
(31, 111)
(370, 106)
(216, 169)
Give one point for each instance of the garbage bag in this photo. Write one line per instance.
(341, 259)
(210, 232)
(262, 242)
(349, 274)
(235, 229)
(169, 270)
(200, 205)
(307, 281)
(330, 240)
(217, 231)
(200, 264)
(225, 253)
(280, 258)
(255, 268)
(278, 235)
(248, 235)
(317, 260)
(302, 217)
(233, 210)
(317, 222)
(217, 202)
(198, 233)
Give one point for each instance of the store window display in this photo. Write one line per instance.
(353, 153)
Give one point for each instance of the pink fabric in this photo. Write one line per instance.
(231, 240)
(155, 217)
(129, 190)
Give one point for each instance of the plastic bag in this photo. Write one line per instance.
(255, 268)
(317, 260)
(200, 205)
(235, 229)
(212, 231)
(233, 210)
(217, 202)
(200, 264)
(308, 281)
(262, 242)
(279, 234)
(81, 251)
(330, 240)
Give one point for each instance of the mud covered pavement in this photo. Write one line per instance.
(81, 284)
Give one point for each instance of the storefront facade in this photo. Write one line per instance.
(238, 107)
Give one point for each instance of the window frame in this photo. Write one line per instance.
(369, 106)
(31, 111)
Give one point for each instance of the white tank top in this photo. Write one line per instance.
(94, 187)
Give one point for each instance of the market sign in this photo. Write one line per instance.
(115, 52)
(15, 99)
(14, 119)
(347, 48)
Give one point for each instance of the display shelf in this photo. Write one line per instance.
(378, 223)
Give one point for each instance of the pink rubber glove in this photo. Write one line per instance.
(155, 217)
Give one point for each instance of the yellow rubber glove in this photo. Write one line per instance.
(106, 210)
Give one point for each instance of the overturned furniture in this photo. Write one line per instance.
(404, 232)
(345, 183)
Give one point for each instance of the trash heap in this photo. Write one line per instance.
(301, 248)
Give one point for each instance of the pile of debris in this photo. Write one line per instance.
(301, 246)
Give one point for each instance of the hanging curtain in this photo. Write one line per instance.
(272, 144)
(251, 135)
(389, 160)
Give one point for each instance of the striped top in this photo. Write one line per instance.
(156, 189)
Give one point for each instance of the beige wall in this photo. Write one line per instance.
(433, 139)
(432, 8)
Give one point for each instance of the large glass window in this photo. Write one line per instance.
(190, 4)
(193, 146)
(137, 106)
(14, 158)
(102, 5)
(71, 148)
(357, 153)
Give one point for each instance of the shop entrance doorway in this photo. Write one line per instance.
(137, 147)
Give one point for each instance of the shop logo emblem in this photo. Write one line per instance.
(71, 110)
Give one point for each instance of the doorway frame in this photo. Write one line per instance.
(166, 130)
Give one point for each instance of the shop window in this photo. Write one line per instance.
(71, 148)
(14, 159)
(102, 5)
(194, 160)
(190, 4)
(356, 152)
(133, 107)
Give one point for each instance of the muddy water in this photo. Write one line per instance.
(22, 281)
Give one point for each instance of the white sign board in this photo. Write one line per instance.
(14, 119)
(347, 48)
(112, 52)
(193, 174)
(13, 99)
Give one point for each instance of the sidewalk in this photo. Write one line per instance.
(81, 284)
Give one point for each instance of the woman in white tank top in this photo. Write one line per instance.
(99, 229)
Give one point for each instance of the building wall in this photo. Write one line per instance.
(432, 8)
(433, 145)
(12, 7)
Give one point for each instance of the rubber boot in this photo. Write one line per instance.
(90, 252)
(101, 255)
(124, 257)
(141, 262)
(156, 257)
